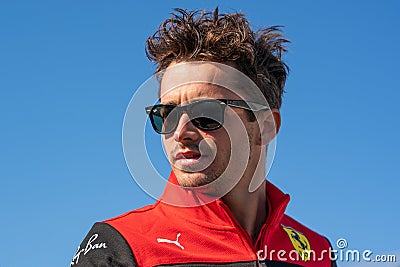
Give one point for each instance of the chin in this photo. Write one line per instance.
(196, 180)
(192, 179)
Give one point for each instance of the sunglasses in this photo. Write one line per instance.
(205, 114)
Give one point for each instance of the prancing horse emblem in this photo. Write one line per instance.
(299, 242)
(175, 242)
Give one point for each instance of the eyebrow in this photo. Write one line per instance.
(169, 103)
(172, 102)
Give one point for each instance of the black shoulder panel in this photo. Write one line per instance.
(103, 246)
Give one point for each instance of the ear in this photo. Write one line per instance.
(270, 123)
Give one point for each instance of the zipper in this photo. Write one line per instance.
(243, 232)
(272, 223)
(264, 231)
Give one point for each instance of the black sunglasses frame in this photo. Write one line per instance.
(251, 106)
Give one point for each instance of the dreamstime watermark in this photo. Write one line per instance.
(342, 254)
(355, 255)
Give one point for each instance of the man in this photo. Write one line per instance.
(220, 92)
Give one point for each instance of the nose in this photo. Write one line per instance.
(185, 130)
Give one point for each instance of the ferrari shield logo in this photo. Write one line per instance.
(300, 242)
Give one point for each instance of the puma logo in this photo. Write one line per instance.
(175, 242)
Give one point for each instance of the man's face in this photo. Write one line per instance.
(199, 157)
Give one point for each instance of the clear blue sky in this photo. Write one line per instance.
(69, 68)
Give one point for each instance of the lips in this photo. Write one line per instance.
(188, 155)
(189, 161)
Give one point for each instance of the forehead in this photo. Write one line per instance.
(197, 90)
(188, 80)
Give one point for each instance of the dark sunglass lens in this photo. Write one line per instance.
(206, 123)
(207, 115)
(164, 118)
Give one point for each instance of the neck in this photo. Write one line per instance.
(249, 209)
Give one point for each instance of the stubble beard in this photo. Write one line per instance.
(218, 180)
(208, 183)
(196, 175)
(195, 179)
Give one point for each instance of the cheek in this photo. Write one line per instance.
(223, 144)
(167, 143)
(240, 138)
(234, 132)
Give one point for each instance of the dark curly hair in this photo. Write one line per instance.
(210, 36)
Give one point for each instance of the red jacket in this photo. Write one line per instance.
(207, 235)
